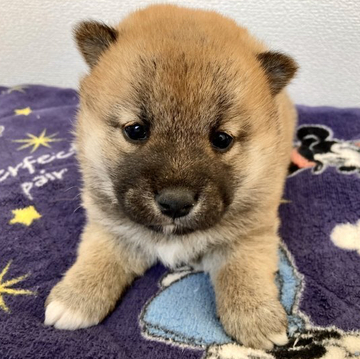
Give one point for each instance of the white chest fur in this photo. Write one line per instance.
(173, 254)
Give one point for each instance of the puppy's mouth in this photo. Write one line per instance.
(174, 211)
(171, 229)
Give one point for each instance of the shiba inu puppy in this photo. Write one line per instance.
(184, 138)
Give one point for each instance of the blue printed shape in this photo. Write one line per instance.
(185, 312)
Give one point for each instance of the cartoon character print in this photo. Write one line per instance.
(317, 149)
(184, 313)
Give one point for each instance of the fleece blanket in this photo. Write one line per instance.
(172, 314)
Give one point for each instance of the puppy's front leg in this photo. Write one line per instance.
(91, 287)
(247, 296)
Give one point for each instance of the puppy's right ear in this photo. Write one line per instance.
(93, 38)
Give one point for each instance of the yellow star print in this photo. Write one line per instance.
(17, 88)
(37, 141)
(25, 215)
(23, 111)
(5, 287)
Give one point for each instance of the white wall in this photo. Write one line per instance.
(36, 45)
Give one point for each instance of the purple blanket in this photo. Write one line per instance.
(172, 314)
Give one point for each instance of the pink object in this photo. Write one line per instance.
(299, 160)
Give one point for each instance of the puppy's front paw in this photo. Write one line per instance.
(69, 309)
(62, 317)
(257, 327)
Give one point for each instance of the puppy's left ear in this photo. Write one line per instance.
(279, 69)
(93, 38)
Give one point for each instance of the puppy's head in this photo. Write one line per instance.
(175, 114)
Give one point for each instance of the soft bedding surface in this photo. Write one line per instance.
(172, 314)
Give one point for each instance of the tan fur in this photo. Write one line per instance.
(191, 58)
(103, 269)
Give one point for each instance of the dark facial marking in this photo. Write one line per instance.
(143, 174)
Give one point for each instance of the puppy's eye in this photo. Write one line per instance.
(136, 132)
(221, 140)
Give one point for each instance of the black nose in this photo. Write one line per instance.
(175, 202)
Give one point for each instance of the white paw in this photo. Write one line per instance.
(60, 317)
(261, 328)
(279, 339)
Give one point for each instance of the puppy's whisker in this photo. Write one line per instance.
(77, 208)
(68, 189)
